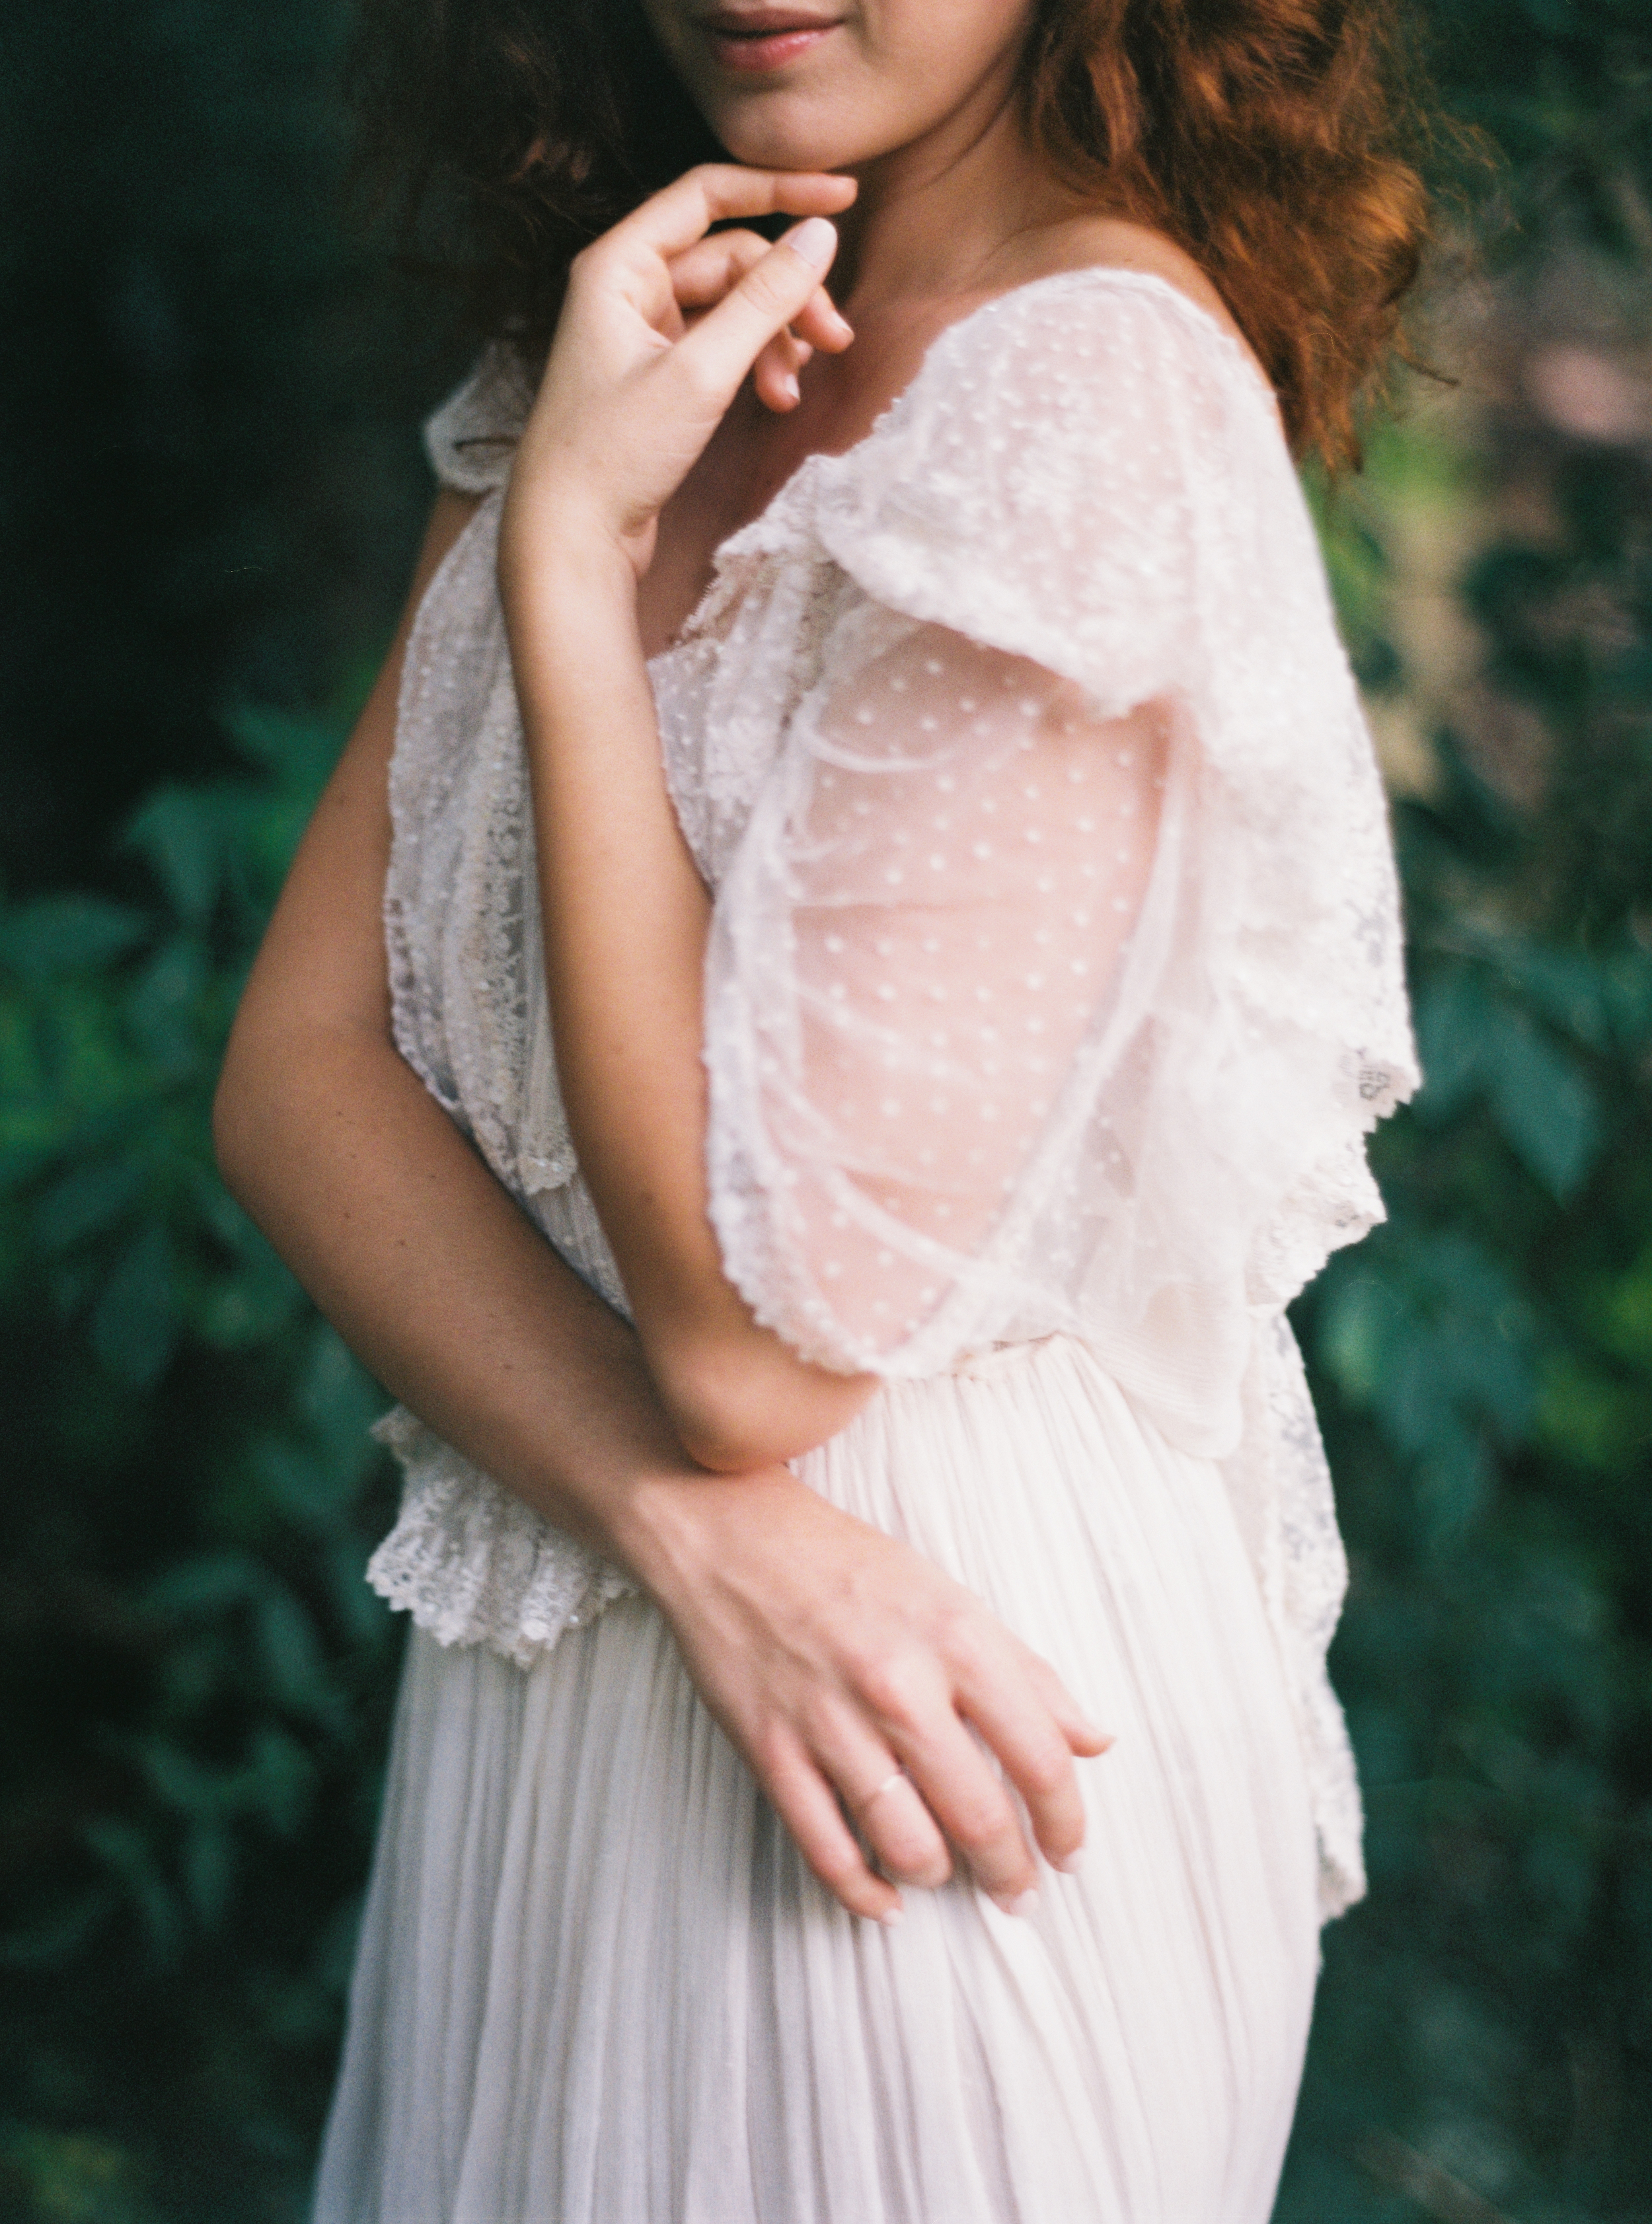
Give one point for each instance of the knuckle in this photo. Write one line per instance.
(912, 1852)
(979, 1823)
(958, 1635)
(770, 1753)
(1046, 1771)
(902, 1840)
(766, 290)
(837, 1868)
(891, 1685)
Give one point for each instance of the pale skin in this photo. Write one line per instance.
(688, 377)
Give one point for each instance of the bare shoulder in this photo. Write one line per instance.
(1089, 241)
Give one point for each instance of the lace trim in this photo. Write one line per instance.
(472, 439)
(472, 1565)
(1280, 1488)
(1309, 958)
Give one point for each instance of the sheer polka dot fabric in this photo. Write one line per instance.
(1055, 978)
(968, 850)
(1066, 821)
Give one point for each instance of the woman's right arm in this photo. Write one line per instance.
(830, 1653)
(378, 1203)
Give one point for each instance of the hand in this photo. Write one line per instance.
(845, 1666)
(663, 322)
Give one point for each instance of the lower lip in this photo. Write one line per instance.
(758, 57)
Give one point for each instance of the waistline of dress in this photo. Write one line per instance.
(1002, 1358)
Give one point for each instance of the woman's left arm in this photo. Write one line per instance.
(630, 396)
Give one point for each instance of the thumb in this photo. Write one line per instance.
(722, 347)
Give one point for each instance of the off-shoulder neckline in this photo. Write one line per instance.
(753, 533)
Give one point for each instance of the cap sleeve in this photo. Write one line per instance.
(1040, 486)
(1056, 980)
(472, 439)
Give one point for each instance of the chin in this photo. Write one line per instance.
(780, 133)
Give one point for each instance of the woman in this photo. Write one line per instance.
(882, 868)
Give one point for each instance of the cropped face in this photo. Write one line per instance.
(826, 85)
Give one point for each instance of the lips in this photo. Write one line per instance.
(753, 42)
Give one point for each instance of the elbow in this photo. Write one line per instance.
(718, 1425)
(738, 1409)
(724, 1444)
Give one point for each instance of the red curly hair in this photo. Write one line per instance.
(1274, 140)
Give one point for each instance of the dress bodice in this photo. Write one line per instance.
(1055, 977)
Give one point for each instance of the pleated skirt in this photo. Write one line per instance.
(596, 1985)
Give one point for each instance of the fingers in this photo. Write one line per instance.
(704, 275)
(913, 1698)
(676, 218)
(822, 324)
(1084, 1736)
(968, 1799)
(1035, 1743)
(883, 1802)
(774, 373)
(1036, 1759)
(804, 1801)
(715, 356)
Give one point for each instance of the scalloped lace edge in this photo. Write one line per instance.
(474, 1566)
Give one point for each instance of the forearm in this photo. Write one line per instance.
(447, 1292)
(626, 920)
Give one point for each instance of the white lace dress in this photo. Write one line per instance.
(1054, 982)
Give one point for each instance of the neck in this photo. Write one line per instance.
(938, 216)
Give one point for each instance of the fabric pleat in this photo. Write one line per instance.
(597, 1985)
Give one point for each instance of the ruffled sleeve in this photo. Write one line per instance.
(1056, 980)
(472, 437)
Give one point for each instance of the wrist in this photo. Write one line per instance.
(558, 553)
(672, 1531)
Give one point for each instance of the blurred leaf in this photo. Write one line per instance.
(180, 832)
(1454, 1024)
(1546, 1106)
(1588, 1416)
(209, 1869)
(89, 1199)
(208, 1583)
(1623, 1313)
(124, 1850)
(134, 1322)
(164, 1007)
(56, 935)
(290, 1649)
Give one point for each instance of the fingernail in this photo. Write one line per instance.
(1070, 1864)
(891, 1916)
(790, 388)
(815, 241)
(1022, 1903)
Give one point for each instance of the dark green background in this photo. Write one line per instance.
(211, 488)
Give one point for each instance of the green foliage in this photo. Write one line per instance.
(1484, 1368)
(189, 1781)
(211, 490)
(1563, 88)
(210, 482)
